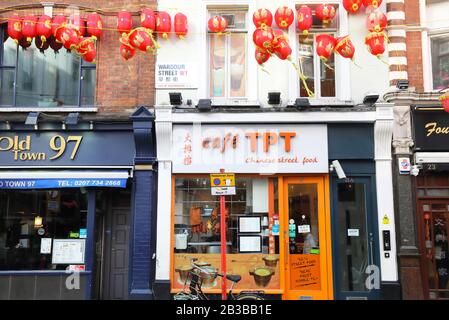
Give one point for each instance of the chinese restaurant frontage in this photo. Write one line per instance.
(294, 228)
(67, 210)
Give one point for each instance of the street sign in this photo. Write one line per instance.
(222, 184)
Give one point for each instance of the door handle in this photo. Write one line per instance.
(286, 248)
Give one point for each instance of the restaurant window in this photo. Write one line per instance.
(252, 231)
(440, 62)
(228, 55)
(320, 76)
(38, 228)
(31, 78)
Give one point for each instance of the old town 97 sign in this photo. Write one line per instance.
(250, 148)
(65, 149)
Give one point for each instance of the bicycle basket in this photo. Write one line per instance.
(206, 275)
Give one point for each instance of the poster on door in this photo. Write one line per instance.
(305, 272)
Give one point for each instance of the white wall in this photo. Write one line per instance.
(371, 76)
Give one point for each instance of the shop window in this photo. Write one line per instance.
(440, 62)
(228, 55)
(32, 223)
(29, 78)
(320, 76)
(252, 231)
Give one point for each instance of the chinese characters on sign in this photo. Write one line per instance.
(175, 75)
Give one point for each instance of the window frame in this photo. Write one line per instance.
(82, 67)
(210, 9)
(343, 91)
(431, 38)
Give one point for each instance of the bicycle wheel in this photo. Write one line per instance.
(185, 296)
(249, 296)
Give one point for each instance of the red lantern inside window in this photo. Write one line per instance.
(374, 3)
(376, 43)
(345, 47)
(376, 21)
(217, 24)
(325, 45)
(29, 27)
(15, 28)
(352, 6)
(305, 19)
(180, 25)
(148, 19)
(262, 18)
(325, 13)
(124, 22)
(94, 25)
(43, 29)
(163, 23)
(284, 17)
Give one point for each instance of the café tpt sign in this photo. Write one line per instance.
(250, 148)
(21, 147)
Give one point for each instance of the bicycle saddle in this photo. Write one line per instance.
(234, 277)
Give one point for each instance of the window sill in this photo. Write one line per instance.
(49, 109)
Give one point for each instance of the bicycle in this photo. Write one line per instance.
(198, 274)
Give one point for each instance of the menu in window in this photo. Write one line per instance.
(250, 244)
(305, 272)
(68, 251)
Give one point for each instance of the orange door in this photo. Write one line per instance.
(307, 262)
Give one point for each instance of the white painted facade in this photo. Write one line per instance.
(353, 82)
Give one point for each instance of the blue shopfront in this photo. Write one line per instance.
(76, 208)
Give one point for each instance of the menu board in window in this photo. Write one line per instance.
(68, 251)
(250, 244)
(249, 224)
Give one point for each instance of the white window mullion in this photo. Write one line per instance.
(228, 66)
(316, 71)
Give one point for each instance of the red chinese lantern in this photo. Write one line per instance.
(86, 49)
(325, 45)
(43, 30)
(305, 19)
(41, 45)
(284, 17)
(55, 45)
(376, 21)
(263, 38)
(124, 22)
(70, 38)
(325, 12)
(217, 24)
(148, 19)
(180, 25)
(58, 24)
(94, 25)
(352, 6)
(24, 43)
(127, 52)
(376, 43)
(345, 47)
(278, 35)
(262, 55)
(374, 3)
(163, 23)
(142, 39)
(445, 101)
(262, 18)
(15, 28)
(77, 22)
(29, 27)
(283, 49)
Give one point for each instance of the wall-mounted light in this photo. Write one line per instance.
(204, 104)
(72, 118)
(274, 98)
(302, 103)
(32, 119)
(175, 98)
(370, 99)
(402, 84)
(38, 221)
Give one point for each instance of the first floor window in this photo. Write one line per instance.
(320, 75)
(227, 56)
(440, 62)
(31, 78)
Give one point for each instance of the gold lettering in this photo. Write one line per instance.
(432, 128)
(9, 145)
(25, 144)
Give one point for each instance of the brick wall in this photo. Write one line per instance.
(414, 45)
(121, 85)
